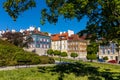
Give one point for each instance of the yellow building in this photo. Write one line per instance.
(77, 45)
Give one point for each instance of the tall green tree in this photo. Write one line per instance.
(103, 15)
(92, 50)
(99, 12)
(91, 57)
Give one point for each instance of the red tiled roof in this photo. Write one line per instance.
(56, 37)
(76, 37)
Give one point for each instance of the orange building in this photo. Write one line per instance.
(69, 43)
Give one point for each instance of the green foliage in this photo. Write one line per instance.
(56, 52)
(76, 71)
(10, 55)
(50, 52)
(92, 50)
(91, 57)
(74, 55)
(46, 59)
(63, 54)
(16, 7)
(96, 11)
(103, 16)
(105, 58)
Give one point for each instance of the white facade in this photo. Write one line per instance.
(59, 45)
(109, 51)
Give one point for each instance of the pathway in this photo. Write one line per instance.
(23, 66)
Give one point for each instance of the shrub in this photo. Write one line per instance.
(57, 53)
(2, 63)
(46, 60)
(30, 58)
(63, 54)
(105, 58)
(50, 52)
(11, 55)
(74, 55)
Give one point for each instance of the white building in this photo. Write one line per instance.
(108, 51)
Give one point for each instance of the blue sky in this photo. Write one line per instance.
(32, 17)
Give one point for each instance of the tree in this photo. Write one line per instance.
(103, 16)
(15, 38)
(50, 52)
(92, 50)
(16, 7)
(95, 10)
(63, 54)
(74, 55)
(57, 53)
(27, 40)
(91, 57)
(99, 12)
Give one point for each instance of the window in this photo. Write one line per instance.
(47, 46)
(103, 51)
(40, 45)
(108, 51)
(47, 40)
(44, 40)
(113, 51)
(37, 45)
(44, 46)
(40, 39)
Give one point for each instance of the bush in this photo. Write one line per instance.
(12, 55)
(46, 60)
(105, 58)
(74, 55)
(2, 63)
(27, 58)
(63, 54)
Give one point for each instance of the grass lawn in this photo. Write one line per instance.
(37, 74)
(75, 71)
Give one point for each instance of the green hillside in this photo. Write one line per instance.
(11, 55)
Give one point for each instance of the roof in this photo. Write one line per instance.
(75, 37)
(27, 33)
(58, 37)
